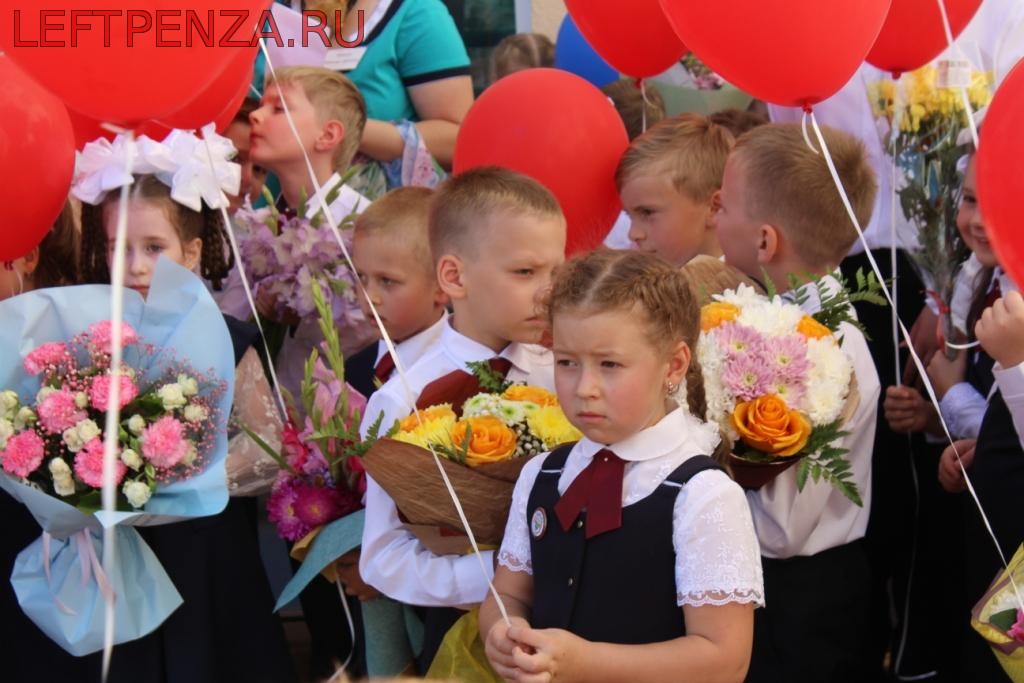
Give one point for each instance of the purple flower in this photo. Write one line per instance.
(787, 357)
(281, 511)
(746, 376)
(316, 505)
(737, 339)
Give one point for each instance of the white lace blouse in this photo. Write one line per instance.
(717, 556)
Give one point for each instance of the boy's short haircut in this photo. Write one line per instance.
(788, 185)
(463, 203)
(688, 148)
(521, 51)
(333, 96)
(738, 121)
(630, 102)
(401, 216)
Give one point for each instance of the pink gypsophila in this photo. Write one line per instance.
(24, 454)
(163, 442)
(99, 392)
(58, 412)
(101, 335)
(47, 355)
(89, 465)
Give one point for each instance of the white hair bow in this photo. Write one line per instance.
(181, 162)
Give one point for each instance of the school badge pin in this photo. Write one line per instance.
(538, 523)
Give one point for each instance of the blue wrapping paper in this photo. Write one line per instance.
(183, 322)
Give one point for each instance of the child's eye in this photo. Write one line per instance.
(154, 248)
(969, 199)
(610, 364)
(525, 271)
(565, 363)
(388, 282)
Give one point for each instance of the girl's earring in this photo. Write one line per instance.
(677, 393)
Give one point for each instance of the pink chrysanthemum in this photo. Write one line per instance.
(281, 511)
(24, 453)
(787, 357)
(736, 339)
(99, 392)
(163, 442)
(746, 376)
(316, 505)
(101, 335)
(89, 465)
(58, 412)
(47, 355)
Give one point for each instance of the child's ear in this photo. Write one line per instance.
(678, 363)
(449, 276)
(31, 260)
(714, 204)
(192, 251)
(769, 241)
(331, 135)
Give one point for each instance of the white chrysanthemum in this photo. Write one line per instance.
(88, 430)
(131, 459)
(81, 399)
(194, 413)
(136, 423)
(719, 401)
(172, 396)
(482, 404)
(742, 296)
(6, 432)
(8, 404)
(137, 493)
(511, 412)
(770, 320)
(25, 417)
(828, 381)
(189, 386)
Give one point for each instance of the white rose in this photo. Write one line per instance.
(172, 396)
(195, 413)
(190, 455)
(8, 404)
(189, 386)
(6, 432)
(63, 483)
(81, 400)
(72, 440)
(59, 468)
(137, 493)
(136, 424)
(24, 418)
(131, 459)
(88, 430)
(43, 393)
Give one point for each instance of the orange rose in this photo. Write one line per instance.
(767, 424)
(717, 312)
(426, 415)
(812, 329)
(532, 394)
(490, 440)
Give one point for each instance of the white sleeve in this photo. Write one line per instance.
(515, 545)
(394, 561)
(963, 409)
(1011, 386)
(717, 556)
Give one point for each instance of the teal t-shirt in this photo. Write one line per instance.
(415, 42)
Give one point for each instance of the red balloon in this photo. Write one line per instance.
(637, 41)
(558, 129)
(83, 55)
(913, 35)
(1000, 183)
(788, 52)
(37, 160)
(217, 97)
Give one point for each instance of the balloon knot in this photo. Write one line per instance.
(638, 83)
(807, 107)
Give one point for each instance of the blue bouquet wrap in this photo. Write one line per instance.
(62, 596)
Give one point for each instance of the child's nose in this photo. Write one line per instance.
(635, 234)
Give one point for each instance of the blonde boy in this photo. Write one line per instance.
(496, 238)
(782, 215)
(668, 181)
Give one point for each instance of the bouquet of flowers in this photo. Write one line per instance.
(690, 86)
(285, 256)
(483, 453)
(922, 120)
(999, 619)
(172, 443)
(778, 383)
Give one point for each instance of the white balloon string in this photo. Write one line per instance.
(389, 344)
(803, 129)
(968, 111)
(913, 353)
(113, 416)
(962, 347)
(339, 674)
(643, 105)
(894, 140)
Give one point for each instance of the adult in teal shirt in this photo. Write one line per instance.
(411, 66)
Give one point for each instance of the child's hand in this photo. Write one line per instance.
(500, 648)
(1001, 330)
(347, 567)
(905, 409)
(548, 654)
(944, 373)
(950, 476)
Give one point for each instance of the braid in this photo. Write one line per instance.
(217, 260)
(92, 257)
(697, 403)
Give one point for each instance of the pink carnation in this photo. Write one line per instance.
(163, 442)
(24, 454)
(99, 392)
(101, 335)
(49, 354)
(89, 465)
(58, 412)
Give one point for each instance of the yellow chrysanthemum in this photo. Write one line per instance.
(552, 426)
(434, 426)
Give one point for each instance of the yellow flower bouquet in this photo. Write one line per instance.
(482, 453)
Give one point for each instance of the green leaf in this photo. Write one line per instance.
(802, 469)
(258, 440)
(489, 379)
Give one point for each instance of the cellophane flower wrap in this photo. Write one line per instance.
(999, 618)
(482, 453)
(778, 383)
(177, 384)
(921, 120)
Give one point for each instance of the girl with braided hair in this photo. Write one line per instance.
(631, 554)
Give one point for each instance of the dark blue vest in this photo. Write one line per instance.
(619, 586)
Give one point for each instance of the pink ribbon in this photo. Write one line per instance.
(89, 563)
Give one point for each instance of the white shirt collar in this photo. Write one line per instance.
(812, 304)
(347, 201)
(410, 350)
(678, 431)
(464, 350)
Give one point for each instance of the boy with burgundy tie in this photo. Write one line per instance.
(496, 238)
(391, 252)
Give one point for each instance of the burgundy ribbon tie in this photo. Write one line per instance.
(598, 490)
(385, 366)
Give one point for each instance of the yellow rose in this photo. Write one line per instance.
(530, 394)
(489, 441)
(812, 329)
(767, 424)
(552, 426)
(717, 312)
